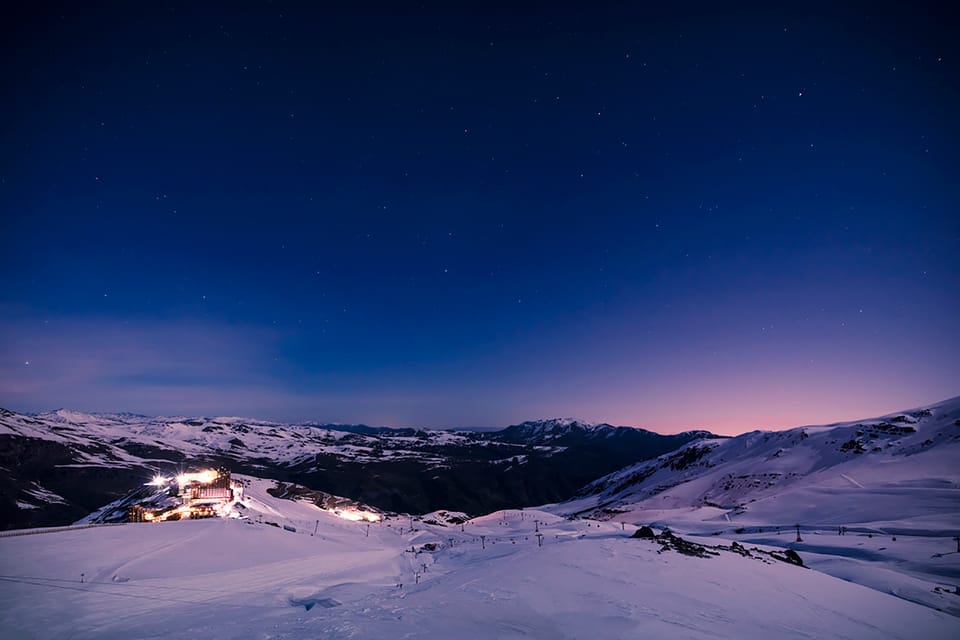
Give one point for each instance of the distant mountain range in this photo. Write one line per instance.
(571, 432)
(62, 465)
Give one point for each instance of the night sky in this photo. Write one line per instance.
(729, 217)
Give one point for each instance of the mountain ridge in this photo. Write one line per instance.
(63, 414)
(84, 460)
(838, 473)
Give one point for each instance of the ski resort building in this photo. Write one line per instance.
(203, 494)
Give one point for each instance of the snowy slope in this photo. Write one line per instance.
(239, 579)
(258, 499)
(897, 467)
(892, 483)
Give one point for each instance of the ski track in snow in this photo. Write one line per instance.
(852, 481)
(239, 579)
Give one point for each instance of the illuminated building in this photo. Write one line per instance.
(203, 494)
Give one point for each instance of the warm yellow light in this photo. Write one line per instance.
(355, 515)
(203, 477)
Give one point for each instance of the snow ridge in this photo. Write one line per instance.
(858, 471)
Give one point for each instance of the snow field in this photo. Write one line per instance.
(239, 579)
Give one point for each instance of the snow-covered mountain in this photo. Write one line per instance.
(550, 429)
(131, 437)
(63, 464)
(876, 502)
(893, 467)
(293, 570)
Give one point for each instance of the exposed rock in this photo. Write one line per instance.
(644, 532)
(789, 556)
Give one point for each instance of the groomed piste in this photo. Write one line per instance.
(294, 570)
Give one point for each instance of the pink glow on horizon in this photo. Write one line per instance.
(194, 369)
(734, 418)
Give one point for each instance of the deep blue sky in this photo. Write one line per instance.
(670, 217)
